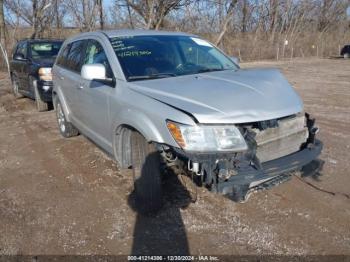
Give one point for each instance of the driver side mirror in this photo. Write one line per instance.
(235, 60)
(93, 72)
(19, 57)
(96, 72)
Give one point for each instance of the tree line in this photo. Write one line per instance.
(251, 29)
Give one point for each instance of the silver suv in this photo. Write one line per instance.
(166, 100)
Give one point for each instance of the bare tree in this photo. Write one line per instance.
(89, 19)
(41, 17)
(228, 18)
(244, 16)
(2, 25)
(21, 9)
(153, 12)
(36, 13)
(129, 14)
(273, 15)
(84, 13)
(100, 11)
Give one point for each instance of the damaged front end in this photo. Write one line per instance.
(276, 149)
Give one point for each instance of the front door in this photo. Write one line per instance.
(20, 67)
(93, 102)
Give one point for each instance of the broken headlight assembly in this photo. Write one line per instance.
(204, 138)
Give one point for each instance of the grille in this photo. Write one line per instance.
(282, 140)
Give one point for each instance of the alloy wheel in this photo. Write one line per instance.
(60, 118)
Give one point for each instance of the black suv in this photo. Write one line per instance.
(345, 51)
(30, 66)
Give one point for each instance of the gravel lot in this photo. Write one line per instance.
(65, 196)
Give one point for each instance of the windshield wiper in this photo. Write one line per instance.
(205, 70)
(153, 76)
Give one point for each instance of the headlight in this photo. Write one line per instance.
(207, 138)
(45, 73)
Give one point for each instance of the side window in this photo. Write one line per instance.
(22, 49)
(95, 54)
(15, 51)
(62, 59)
(73, 61)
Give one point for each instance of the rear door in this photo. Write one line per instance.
(93, 95)
(68, 74)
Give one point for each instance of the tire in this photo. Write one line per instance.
(15, 87)
(347, 55)
(40, 104)
(146, 172)
(66, 128)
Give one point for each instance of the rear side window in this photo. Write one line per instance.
(73, 60)
(61, 60)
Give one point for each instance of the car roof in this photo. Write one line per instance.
(137, 32)
(40, 40)
(127, 32)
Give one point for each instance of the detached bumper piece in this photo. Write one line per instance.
(272, 173)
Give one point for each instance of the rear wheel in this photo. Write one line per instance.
(347, 55)
(146, 171)
(15, 87)
(66, 128)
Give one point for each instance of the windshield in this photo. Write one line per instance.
(149, 57)
(45, 50)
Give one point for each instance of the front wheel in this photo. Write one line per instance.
(146, 171)
(347, 55)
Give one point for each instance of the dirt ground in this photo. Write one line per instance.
(65, 196)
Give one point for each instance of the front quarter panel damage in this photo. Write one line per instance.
(238, 174)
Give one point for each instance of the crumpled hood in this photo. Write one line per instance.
(226, 96)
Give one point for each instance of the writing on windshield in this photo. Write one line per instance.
(146, 57)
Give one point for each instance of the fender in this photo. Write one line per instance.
(131, 119)
(148, 117)
(140, 122)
